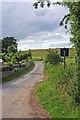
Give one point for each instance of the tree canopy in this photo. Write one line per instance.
(9, 44)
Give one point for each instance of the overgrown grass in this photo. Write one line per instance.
(53, 92)
(17, 74)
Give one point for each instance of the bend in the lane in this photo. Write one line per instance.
(13, 92)
(26, 79)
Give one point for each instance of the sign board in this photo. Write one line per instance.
(64, 52)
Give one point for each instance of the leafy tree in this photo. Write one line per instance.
(7, 58)
(21, 56)
(11, 49)
(17, 58)
(74, 19)
(8, 44)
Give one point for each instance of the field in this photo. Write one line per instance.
(41, 53)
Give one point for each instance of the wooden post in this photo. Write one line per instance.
(64, 59)
(64, 52)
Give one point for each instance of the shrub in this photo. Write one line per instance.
(13, 60)
(53, 58)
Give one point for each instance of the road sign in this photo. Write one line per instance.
(64, 51)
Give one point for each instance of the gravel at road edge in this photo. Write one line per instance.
(39, 112)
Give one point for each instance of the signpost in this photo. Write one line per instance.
(64, 52)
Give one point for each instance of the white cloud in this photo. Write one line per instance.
(22, 46)
(57, 44)
(55, 39)
(28, 41)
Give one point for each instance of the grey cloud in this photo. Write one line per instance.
(22, 20)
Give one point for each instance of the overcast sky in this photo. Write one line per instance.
(34, 29)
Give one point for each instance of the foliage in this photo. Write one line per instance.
(9, 44)
(13, 60)
(2, 55)
(7, 58)
(21, 56)
(11, 48)
(54, 91)
(30, 54)
(74, 19)
(53, 58)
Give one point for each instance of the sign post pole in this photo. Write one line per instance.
(64, 52)
(64, 59)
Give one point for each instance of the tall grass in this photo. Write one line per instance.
(54, 92)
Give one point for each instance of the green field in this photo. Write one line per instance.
(41, 53)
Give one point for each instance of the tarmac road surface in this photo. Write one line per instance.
(15, 94)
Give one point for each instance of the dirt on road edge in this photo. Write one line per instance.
(35, 104)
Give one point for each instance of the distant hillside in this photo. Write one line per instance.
(41, 53)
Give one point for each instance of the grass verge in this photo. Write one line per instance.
(53, 92)
(17, 74)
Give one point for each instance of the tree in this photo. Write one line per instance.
(11, 49)
(7, 58)
(9, 44)
(74, 19)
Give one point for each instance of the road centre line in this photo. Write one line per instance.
(20, 80)
(26, 76)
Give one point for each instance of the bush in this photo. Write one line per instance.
(53, 58)
(13, 60)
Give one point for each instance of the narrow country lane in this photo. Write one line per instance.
(15, 94)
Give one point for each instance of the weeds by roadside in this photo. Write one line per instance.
(57, 93)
